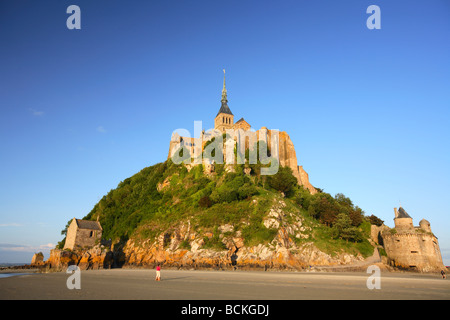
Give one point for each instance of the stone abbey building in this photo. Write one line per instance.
(223, 121)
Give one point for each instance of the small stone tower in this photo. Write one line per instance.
(402, 220)
(225, 118)
(425, 225)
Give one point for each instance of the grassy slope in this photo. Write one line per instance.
(136, 209)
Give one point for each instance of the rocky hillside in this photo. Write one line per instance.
(233, 218)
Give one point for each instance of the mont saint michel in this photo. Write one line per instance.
(252, 153)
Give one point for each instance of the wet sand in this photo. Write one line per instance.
(139, 284)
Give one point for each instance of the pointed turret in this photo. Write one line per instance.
(224, 118)
(224, 90)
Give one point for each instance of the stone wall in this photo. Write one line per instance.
(241, 125)
(286, 152)
(416, 250)
(87, 237)
(71, 235)
(223, 122)
(404, 224)
(288, 156)
(376, 231)
(189, 143)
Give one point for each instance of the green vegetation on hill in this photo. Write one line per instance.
(162, 196)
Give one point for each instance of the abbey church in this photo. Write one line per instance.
(225, 118)
(224, 121)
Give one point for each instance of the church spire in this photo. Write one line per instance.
(224, 90)
(224, 108)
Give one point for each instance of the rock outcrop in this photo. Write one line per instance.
(98, 257)
(291, 249)
(288, 158)
(38, 259)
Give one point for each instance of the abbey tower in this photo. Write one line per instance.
(224, 118)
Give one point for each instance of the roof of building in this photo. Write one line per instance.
(402, 213)
(87, 224)
(224, 109)
(240, 120)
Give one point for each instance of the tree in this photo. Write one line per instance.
(343, 200)
(64, 231)
(357, 216)
(346, 205)
(375, 220)
(283, 181)
(343, 229)
(323, 208)
(303, 197)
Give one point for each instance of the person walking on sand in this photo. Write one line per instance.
(443, 274)
(158, 273)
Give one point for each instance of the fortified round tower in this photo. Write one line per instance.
(412, 247)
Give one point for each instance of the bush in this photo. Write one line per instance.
(185, 245)
(205, 202)
(214, 242)
(235, 187)
(303, 198)
(224, 194)
(283, 181)
(255, 234)
(323, 208)
(246, 191)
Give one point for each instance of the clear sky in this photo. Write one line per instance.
(81, 110)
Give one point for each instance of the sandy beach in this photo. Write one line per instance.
(139, 284)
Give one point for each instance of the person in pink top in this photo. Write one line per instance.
(158, 273)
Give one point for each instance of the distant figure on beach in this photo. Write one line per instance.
(443, 274)
(158, 273)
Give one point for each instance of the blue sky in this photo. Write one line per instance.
(81, 110)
